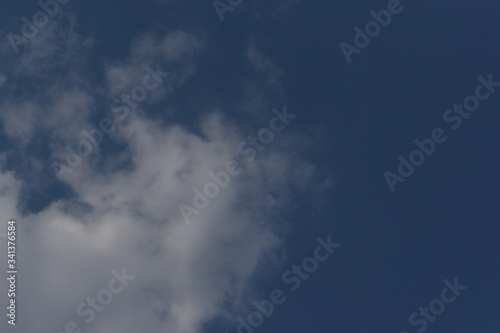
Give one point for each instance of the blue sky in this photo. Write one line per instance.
(203, 88)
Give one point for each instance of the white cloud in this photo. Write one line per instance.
(187, 272)
(128, 217)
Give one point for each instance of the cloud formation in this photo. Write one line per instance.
(122, 211)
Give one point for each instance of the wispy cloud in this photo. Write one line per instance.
(122, 208)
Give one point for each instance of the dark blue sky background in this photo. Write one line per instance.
(397, 248)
